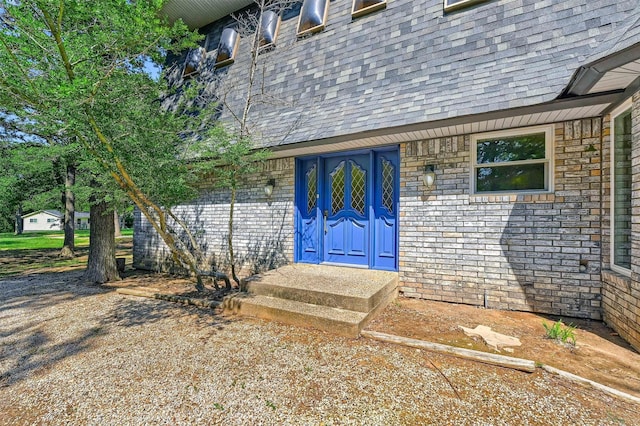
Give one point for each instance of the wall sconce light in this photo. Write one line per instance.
(268, 188)
(429, 177)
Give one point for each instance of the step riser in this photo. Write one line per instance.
(334, 299)
(249, 307)
(298, 319)
(357, 304)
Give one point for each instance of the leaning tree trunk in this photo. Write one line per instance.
(69, 212)
(101, 266)
(19, 223)
(232, 257)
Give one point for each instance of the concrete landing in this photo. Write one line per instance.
(336, 299)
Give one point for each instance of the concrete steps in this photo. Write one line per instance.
(335, 299)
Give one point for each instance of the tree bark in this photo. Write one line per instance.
(101, 266)
(19, 223)
(116, 224)
(69, 197)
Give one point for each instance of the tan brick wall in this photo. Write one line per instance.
(537, 252)
(621, 294)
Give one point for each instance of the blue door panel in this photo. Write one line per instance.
(385, 210)
(337, 242)
(357, 238)
(347, 209)
(307, 246)
(309, 237)
(386, 237)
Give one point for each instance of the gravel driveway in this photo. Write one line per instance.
(77, 354)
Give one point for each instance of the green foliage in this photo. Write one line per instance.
(91, 90)
(29, 177)
(233, 157)
(560, 331)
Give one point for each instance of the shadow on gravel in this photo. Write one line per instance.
(27, 349)
(35, 354)
(134, 312)
(39, 291)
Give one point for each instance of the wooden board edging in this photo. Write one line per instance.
(596, 385)
(487, 358)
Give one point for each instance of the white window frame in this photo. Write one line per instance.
(459, 5)
(624, 107)
(549, 142)
(33, 220)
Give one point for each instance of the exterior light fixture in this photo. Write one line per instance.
(429, 177)
(268, 188)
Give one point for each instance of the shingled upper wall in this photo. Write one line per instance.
(412, 63)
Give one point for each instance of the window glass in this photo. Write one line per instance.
(514, 148)
(337, 188)
(622, 190)
(227, 47)
(313, 15)
(269, 29)
(358, 191)
(32, 220)
(363, 7)
(312, 189)
(508, 162)
(510, 178)
(458, 4)
(388, 173)
(193, 62)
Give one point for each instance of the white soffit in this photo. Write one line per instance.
(617, 78)
(445, 131)
(198, 13)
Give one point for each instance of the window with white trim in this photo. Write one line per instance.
(33, 220)
(516, 160)
(621, 188)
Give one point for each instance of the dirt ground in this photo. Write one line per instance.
(599, 354)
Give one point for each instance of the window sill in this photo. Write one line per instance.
(538, 197)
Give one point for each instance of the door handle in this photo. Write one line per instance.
(325, 214)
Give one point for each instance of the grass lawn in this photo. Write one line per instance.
(38, 251)
(45, 240)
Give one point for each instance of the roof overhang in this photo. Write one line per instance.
(546, 113)
(613, 72)
(198, 13)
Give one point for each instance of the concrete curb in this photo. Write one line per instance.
(494, 359)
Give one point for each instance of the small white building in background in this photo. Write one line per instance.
(52, 220)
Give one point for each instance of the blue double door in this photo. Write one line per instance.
(347, 209)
